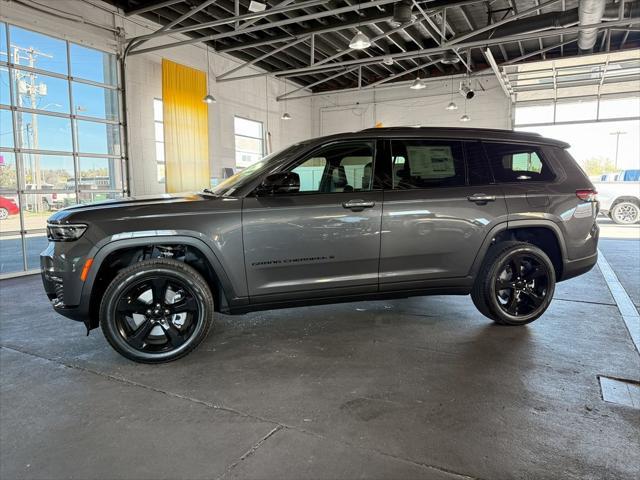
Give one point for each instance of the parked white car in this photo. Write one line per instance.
(620, 198)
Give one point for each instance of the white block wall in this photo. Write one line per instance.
(94, 25)
(401, 106)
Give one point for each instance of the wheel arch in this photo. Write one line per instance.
(545, 234)
(625, 198)
(116, 255)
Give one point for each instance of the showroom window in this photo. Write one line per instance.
(60, 137)
(249, 140)
(158, 126)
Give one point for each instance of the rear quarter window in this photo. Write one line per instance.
(518, 163)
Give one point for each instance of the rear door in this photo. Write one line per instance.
(439, 206)
(323, 240)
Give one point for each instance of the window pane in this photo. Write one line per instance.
(534, 114)
(8, 174)
(426, 164)
(37, 50)
(619, 107)
(9, 212)
(310, 173)
(159, 151)
(478, 168)
(244, 159)
(11, 259)
(159, 131)
(160, 172)
(90, 101)
(47, 172)
(250, 145)
(100, 174)
(43, 132)
(585, 110)
(5, 92)
(35, 244)
(157, 110)
(3, 42)
(248, 128)
(517, 163)
(98, 138)
(91, 197)
(6, 129)
(94, 65)
(40, 92)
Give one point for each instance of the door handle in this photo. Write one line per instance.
(481, 198)
(358, 205)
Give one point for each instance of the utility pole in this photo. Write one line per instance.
(617, 133)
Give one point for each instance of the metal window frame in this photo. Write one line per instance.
(20, 192)
(261, 137)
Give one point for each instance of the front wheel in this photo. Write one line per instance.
(625, 213)
(156, 311)
(515, 284)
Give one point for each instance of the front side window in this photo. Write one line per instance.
(343, 167)
(426, 164)
(517, 163)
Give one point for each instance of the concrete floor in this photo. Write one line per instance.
(418, 388)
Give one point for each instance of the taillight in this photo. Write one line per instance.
(587, 195)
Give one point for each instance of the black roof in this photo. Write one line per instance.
(460, 133)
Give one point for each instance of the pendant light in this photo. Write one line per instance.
(208, 98)
(452, 105)
(359, 41)
(285, 115)
(418, 84)
(465, 117)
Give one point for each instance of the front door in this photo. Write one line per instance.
(323, 240)
(436, 215)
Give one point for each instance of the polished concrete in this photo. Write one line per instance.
(417, 388)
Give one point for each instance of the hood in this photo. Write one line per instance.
(128, 202)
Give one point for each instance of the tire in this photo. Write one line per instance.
(156, 311)
(525, 296)
(625, 213)
(4, 213)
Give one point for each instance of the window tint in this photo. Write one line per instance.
(426, 164)
(477, 166)
(517, 163)
(344, 167)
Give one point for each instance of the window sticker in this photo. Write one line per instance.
(431, 161)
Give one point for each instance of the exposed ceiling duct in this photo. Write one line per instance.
(590, 12)
(402, 13)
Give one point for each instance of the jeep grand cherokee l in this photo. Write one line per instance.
(380, 213)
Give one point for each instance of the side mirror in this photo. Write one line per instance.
(281, 182)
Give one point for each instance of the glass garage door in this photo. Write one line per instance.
(60, 137)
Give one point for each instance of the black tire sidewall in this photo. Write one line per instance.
(136, 274)
(490, 286)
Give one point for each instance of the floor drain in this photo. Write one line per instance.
(620, 391)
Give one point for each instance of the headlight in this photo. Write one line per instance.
(65, 233)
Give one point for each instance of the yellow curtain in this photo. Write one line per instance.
(186, 132)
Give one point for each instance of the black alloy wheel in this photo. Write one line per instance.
(156, 311)
(515, 284)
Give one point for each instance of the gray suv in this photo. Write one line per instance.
(380, 213)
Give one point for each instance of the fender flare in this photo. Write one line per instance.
(513, 225)
(102, 253)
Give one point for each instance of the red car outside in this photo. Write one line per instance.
(7, 207)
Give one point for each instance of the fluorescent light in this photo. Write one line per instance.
(359, 41)
(417, 84)
(257, 6)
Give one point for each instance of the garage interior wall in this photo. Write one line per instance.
(95, 26)
(400, 106)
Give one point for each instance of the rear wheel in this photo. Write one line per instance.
(515, 284)
(156, 311)
(625, 213)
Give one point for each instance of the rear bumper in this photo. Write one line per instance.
(573, 268)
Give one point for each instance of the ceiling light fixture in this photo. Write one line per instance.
(449, 58)
(359, 41)
(465, 117)
(388, 60)
(418, 84)
(467, 92)
(452, 105)
(285, 115)
(257, 6)
(208, 98)
(402, 13)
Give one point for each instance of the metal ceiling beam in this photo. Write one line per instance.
(538, 52)
(499, 75)
(260, 58)
(445, 47)
(323, 80)
(152, 6)
(400, 74)
(248, 23)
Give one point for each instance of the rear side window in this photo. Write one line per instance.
(426, 164)
(517, 163)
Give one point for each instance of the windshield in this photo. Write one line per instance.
(231, 184)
